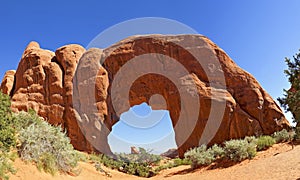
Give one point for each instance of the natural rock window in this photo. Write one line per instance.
(143, 127)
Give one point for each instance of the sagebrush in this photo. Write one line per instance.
(282, 136)
(264, 142)
(48, 146)
(239, 149)
(200, 156)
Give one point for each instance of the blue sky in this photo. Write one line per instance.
(256, 34)
(143, 127)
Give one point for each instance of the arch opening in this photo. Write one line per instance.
(141, 126)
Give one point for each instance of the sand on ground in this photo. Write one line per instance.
(278, 162)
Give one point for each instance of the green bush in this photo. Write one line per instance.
(7, 132)
(264, 142)
(217, 151)
(82, 157)
(138, 169)
(138, 164)
(100, 169)
(23, 120)
(251, 139)
(179, 162)
(174, 163)
(200, 156)
(45, 145)
(47, 162)
(6, 166)
(108, 161)
(238, 150)
(7, 137)
(143, 157)
(133, 164)
(282, 136)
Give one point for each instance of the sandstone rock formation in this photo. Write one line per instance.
(171, 153)
(60, 85)
(43, 82)
(134, 150)
(8, 82)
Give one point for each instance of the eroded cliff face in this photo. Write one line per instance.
(58, 87)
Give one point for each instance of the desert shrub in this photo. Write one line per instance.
(7, 132)
(7, 137)
(23, 120)
(251, 139)
(200, 156)
(217, 151)
(163, 167)
(139, 169)
(282, 136)
(82, 157)
(45, 145)
(143, 157)
(179, 162)
(47, 162)
(127, 163)
(238, 150)
(138, 164)
(264, 142)
(100, 169)
(174, 163)
(6, 166)
(108, 161)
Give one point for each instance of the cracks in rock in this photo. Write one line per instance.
(111, 117)
(261, 108)
(47, 85)
(76, 89)
(54, 60)
(233, 94)
(260, 117)
(74, 52)
(12, 92)
(231, 116)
